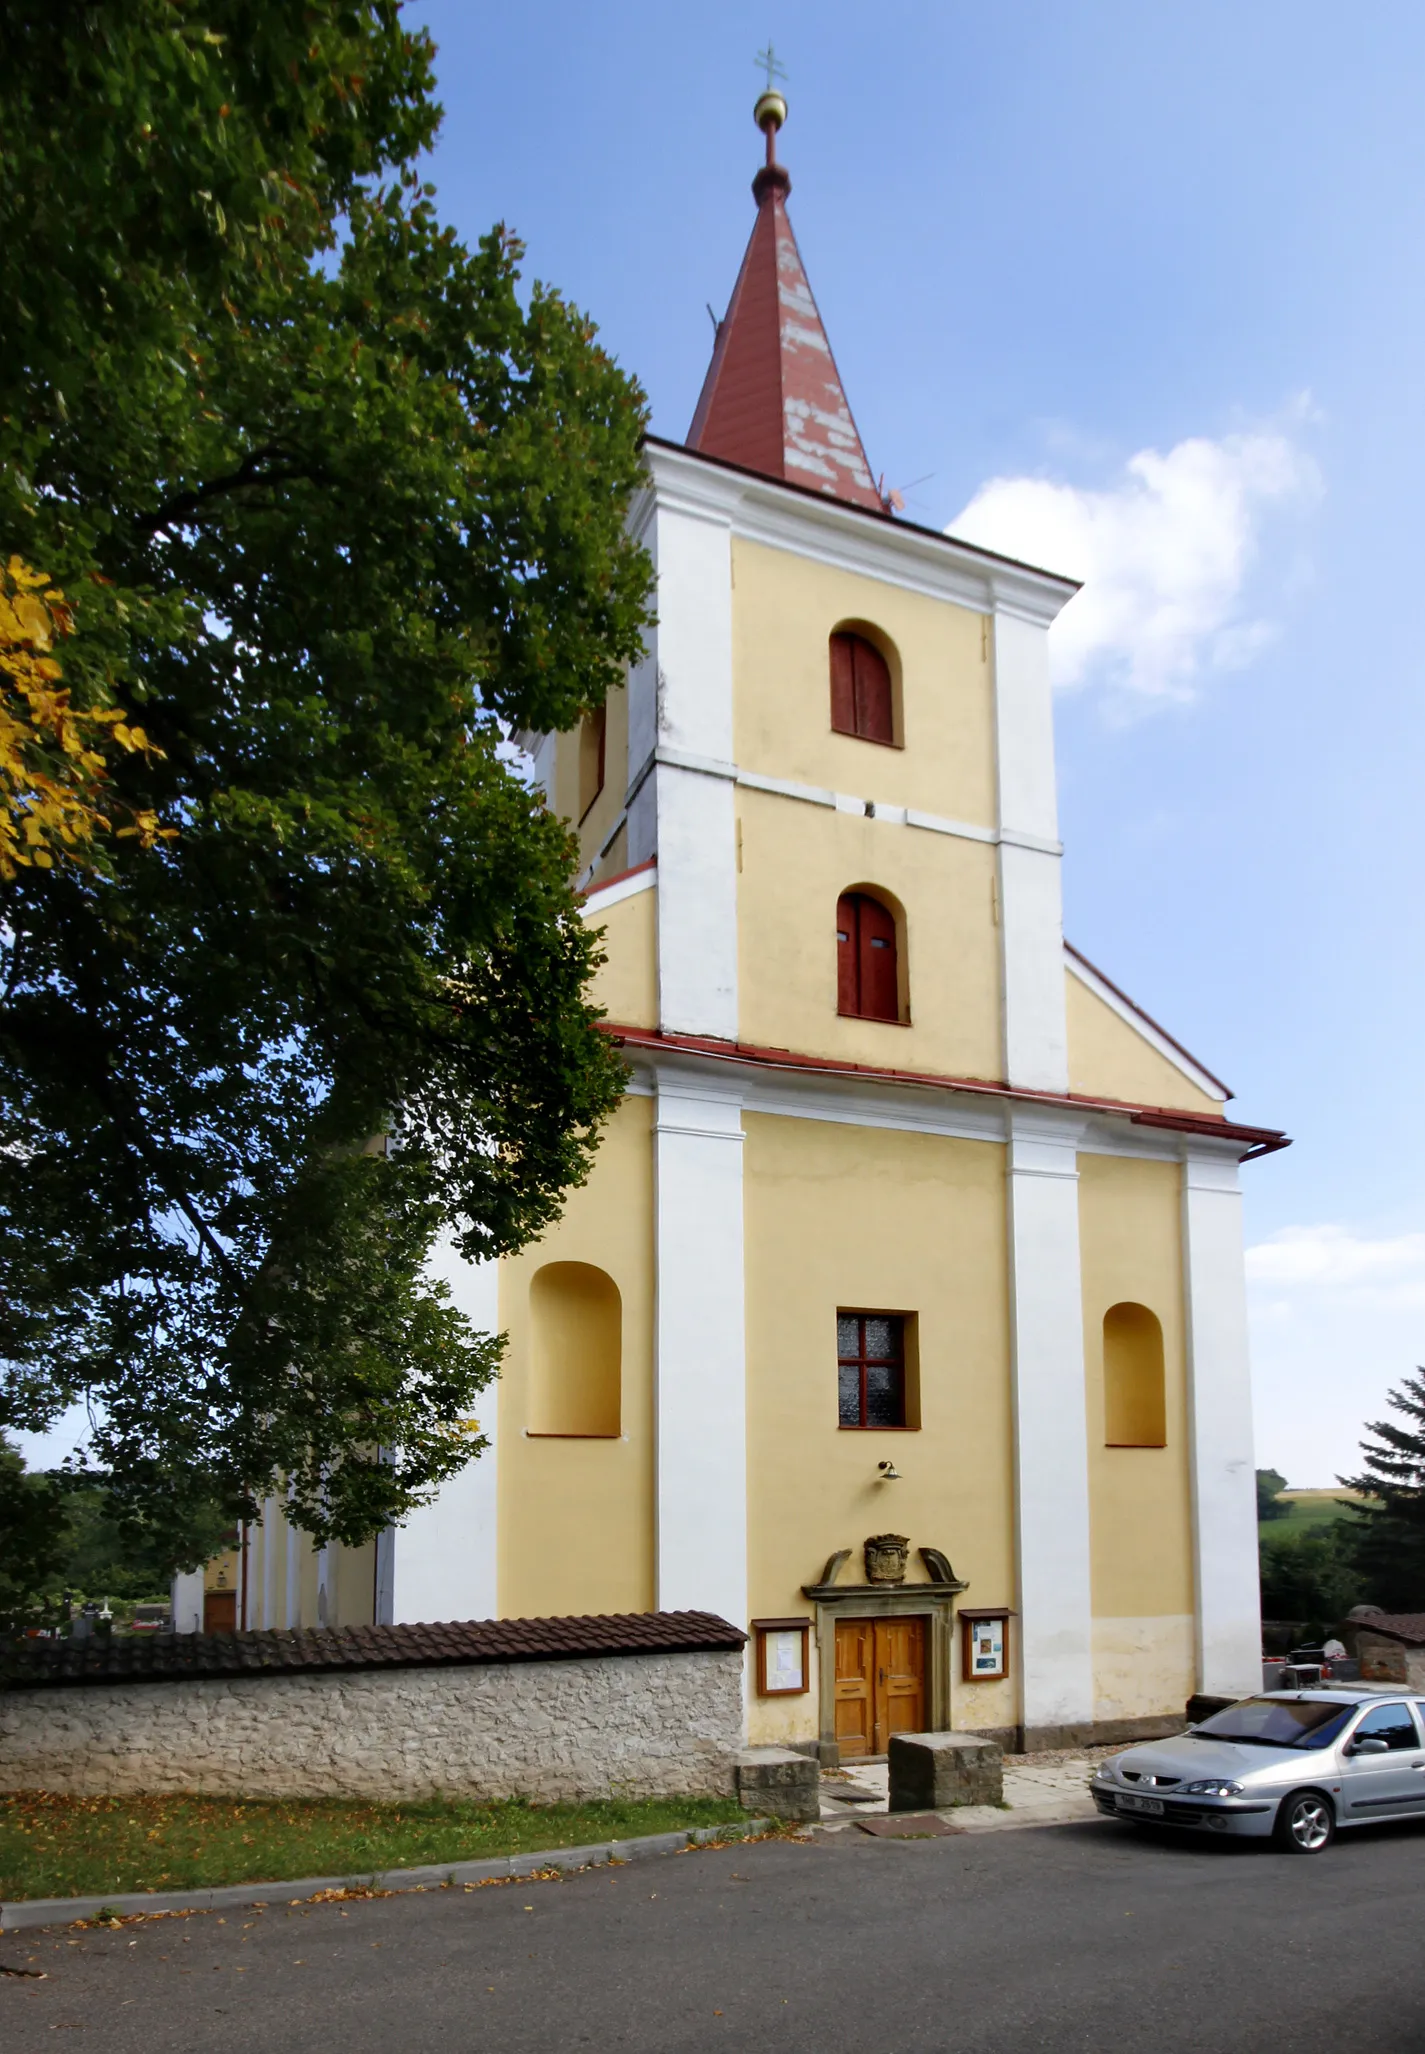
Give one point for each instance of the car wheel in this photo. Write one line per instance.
(1305, 1824)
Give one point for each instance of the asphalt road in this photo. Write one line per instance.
(1062, 1937)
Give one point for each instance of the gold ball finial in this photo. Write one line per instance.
(770, 112)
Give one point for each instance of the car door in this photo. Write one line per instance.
(1389, 1785)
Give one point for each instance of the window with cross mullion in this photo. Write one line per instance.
(870, 1358)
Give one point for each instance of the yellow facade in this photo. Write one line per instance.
(625, 987)
(784, 609)
(576, 1515)
(796, 861)
(854, 1217)
(1139, 1497)
(879, 1206)
(1109, 1059)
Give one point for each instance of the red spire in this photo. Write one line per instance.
(772, 400)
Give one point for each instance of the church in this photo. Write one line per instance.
(902, 1319)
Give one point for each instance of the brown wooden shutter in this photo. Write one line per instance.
(843, 684)
(848, 950)
(880, 985)
(872, 690)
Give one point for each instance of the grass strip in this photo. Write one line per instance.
(53, 1846)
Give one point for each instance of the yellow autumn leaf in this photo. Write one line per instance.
(21, 575)
(53, 767)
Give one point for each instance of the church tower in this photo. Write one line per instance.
(902, 1319)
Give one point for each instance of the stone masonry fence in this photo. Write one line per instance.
(641, 1705)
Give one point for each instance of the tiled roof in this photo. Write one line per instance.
(1395, 1625)
(166, 1657)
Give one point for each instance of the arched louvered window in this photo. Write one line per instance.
(862, 701)
(867, 965)
(1134, 1396)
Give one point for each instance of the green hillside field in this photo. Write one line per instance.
(1308, 1510)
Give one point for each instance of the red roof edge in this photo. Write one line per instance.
(1261, 1140)
(598, 884)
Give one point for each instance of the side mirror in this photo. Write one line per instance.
(1368, 1744)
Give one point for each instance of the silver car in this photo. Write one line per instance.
(1291, 1765)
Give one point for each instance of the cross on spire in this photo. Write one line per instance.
(770, 64)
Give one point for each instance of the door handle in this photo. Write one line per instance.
(881, 1676)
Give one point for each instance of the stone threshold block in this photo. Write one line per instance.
(780, 1782)
(932, 1771)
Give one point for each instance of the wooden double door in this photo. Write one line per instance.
(880, 1681)
(220, 1611)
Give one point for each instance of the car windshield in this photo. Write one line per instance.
(1278, 1722)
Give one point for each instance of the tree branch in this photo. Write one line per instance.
(248, 473)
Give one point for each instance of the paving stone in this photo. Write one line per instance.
(906, 1826)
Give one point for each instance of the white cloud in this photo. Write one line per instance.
(1332, 1258)
(1164, 553)
(1338, 1318)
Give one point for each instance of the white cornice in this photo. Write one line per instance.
(861, 1101)
(845, 537)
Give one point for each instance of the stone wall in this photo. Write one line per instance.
(1384, 1660)
(650, 1725)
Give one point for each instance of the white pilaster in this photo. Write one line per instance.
(701, 1402)
(271, 1517)
(1050, 1426)
(294, 1571)
(1224, 1498)
(326, 1585)
(1031, 912)
(680, 707)
(185, 1601)
(441, 1563)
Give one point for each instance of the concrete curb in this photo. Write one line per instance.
(56, 1911)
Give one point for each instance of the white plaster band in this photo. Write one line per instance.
(645, 878)
(823, 530)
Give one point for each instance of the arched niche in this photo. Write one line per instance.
(1135, 1411)
(576, 1335)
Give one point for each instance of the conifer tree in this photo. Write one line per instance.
(1385, 1537)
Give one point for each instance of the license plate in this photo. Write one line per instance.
(1152, 1806)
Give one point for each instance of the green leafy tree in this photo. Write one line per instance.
(111, 1553)
(33, 1539)
(1270, 1484)
(334, 508)
(1309, 1577)
(1385, 1535)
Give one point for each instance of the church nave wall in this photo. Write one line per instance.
(841, 1218)
(1139, 1495)
(576, 1513)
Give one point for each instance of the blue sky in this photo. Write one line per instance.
(1142, 289)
